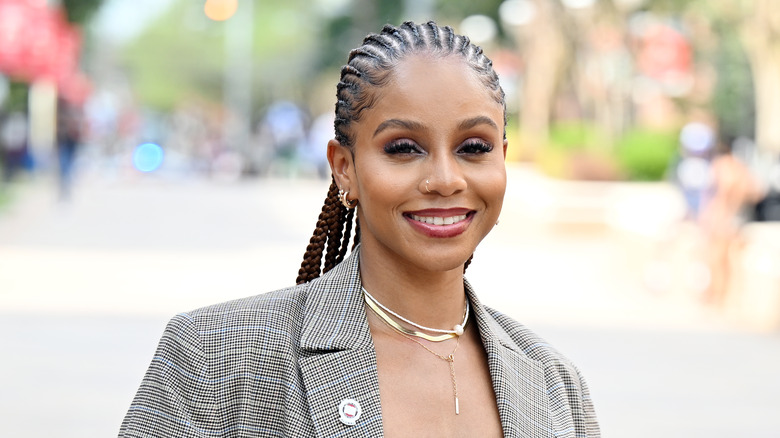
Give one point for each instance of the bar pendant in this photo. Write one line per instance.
(457, 406)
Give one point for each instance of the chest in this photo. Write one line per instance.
(418, 390)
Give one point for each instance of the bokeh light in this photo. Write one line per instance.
(517, 12)
(220, 10)
(579, 4)
(148, 157)
(697, 137)
(480, 28)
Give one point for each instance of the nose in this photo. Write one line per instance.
(445, 176)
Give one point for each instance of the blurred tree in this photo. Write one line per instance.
(18, 95)
(547, 49)
(733, 100)
(761, 33)
(182, 54)
(455, 10)
(747, 30)
(343, 31)
(80, 11)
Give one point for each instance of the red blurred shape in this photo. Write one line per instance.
(665, 52)
(38, 43)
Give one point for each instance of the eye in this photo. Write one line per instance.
(475, 147)
(404, 147)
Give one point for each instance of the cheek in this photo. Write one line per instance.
(491, 184)
(385, 184)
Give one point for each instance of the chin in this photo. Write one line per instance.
(443, 263)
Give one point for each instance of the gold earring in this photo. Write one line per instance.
(345, 201)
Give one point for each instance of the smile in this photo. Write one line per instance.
(439, 220)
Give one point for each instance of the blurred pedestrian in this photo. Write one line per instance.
(390, 339)
(733, 189)
(70, 128)
(693, 172)
(13, 145)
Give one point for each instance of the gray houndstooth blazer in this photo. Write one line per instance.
(279, 364)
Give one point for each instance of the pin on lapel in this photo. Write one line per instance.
(349, 411)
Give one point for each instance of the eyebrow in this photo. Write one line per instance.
(398, 123)
(415, 126)
(475, 121)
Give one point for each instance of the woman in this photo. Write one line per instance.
(390, 340)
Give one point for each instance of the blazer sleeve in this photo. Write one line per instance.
(177, 395)
(589, 424)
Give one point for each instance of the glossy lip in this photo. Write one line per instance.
(440, 231)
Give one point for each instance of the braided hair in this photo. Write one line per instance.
(368, 68)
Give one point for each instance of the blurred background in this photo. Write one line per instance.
(161, 155)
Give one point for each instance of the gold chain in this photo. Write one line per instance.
(401, 329)
(450, 359)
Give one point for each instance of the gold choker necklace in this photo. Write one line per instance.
(380, 309)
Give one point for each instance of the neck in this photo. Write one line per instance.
(434, 299)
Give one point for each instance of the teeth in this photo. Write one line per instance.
(437, 220)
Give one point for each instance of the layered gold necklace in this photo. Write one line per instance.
(380, 310)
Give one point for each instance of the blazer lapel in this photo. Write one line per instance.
(518, 381)
(338, 361)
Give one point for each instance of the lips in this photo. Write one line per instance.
(440, 222)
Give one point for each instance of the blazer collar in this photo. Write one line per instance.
(334, 316)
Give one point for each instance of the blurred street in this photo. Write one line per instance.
(86, 288)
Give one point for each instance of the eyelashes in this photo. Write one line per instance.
(475, 147)
(407, 147)
(402, 147)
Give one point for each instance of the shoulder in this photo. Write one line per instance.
(566, 386)
(215, 363)
(271, 314)
(527, 341)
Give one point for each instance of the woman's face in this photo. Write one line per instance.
(435, 122)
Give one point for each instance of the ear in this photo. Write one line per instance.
(342, 166)
(506, 143)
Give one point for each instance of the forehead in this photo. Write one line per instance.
(434, 89)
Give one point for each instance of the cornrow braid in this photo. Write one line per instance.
(415, 33)
(434, 29)
(369, 68)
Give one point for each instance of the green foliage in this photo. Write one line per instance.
(80, 11)
(182, 54)
(645, 155)
(342, 33)
(733, 100)
(670, 6)
(18, 93)
(338, 36)
(169, 61)
(5, 198)
(458, 10)
(575, 135)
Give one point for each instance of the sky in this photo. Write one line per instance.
(122, 20)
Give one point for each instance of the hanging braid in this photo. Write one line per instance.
(310, 267)
(368, 68)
